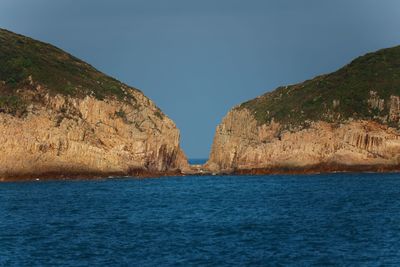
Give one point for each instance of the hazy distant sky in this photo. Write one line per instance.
(198, 58)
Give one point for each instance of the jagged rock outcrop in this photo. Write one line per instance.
(241, 144)
(99, 127)
(344, 121)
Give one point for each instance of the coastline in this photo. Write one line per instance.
(320, 169)
(70, 176)
(142, 174)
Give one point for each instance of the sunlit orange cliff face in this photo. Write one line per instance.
(344, 121)
(60, 117)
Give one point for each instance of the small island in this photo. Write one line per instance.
(62, 118)
(344, 121)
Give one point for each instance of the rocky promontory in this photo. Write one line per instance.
(60, 117)
(348, 120)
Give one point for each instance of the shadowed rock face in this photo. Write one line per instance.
(48, 132)
(314, 127)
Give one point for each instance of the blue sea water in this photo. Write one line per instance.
(319, 220)
(197, 161)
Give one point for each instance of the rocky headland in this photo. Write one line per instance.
(60, 117)
(344, 121)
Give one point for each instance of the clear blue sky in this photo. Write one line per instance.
(198, 58)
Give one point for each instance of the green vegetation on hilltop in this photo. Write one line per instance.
(56, 70)
(334, 97)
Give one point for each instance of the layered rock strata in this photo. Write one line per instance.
(241, 145)
(348, 120)
(66, 136)
(60, 117)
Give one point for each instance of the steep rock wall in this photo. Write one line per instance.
(62, 135)
(242, 144)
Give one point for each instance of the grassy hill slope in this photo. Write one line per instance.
(334, 97)
(57, 71)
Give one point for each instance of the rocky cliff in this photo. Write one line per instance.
(60, 117)
(347, 120)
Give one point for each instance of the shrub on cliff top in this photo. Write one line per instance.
(58, 71)
(334, 97)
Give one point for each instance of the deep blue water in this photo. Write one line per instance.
(321, 220)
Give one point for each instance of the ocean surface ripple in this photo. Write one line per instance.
(319, 220)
